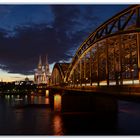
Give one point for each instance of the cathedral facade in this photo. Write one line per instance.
(42, 73)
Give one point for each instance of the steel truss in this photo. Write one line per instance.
(111, 54)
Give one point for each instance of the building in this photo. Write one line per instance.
(42, 73)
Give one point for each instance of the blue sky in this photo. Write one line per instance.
(28, 31)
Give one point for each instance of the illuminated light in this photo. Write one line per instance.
(26, 96)
(46, 100)
(8, 96)
(94, 84)
(132, 70)
(18, 96)
(129, 82)
(57, 102)
(86, 78)
(112, 83)
(47, 93)
(12, 96)
(57, 125)
(77, 80)
(87, 84)
(103, 83)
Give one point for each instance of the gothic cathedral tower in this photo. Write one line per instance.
(42, 74)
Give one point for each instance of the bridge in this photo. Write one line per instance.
(108, 61)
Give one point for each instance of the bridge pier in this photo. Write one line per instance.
(75, 101)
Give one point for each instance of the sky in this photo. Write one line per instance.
(28, 31)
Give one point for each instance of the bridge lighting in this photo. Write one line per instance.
(57, 102)
(47, 93)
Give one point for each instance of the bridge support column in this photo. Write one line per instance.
(98, 65)
(107, 64)
(138, 41)
(85, 69)
(138, 46)
(80, 72)
(73, 78)
(90, 68)
(120, 59)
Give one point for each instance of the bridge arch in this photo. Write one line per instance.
(111, 54)
(58, 73)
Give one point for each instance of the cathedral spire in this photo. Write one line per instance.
(40, 63)
(46, 60)
(47, 65)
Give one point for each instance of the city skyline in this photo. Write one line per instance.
(28, 31)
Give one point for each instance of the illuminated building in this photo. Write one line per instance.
(42, 74)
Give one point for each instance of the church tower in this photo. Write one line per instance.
(42, 74)
(40, 63)
(47, 66)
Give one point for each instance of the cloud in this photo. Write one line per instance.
(71, 25)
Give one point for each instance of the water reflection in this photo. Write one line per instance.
(39, 100)
(57, 121)
(19, 115)
(39, 120)
(46, 100)
(15, 100)
(32, 99)
(26, 99)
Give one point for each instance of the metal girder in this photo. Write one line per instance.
(118, 24)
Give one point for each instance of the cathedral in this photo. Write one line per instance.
(42, 73)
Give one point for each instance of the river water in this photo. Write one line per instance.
(36, 118)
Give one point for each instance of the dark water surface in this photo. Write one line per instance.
(16, 119)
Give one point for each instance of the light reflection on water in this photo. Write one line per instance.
(47, 101)
(34, 120)
(17, 99)
(57, 121)
(30, 119)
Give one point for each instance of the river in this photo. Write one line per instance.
(36, 118)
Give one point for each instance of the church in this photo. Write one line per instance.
(42, 73)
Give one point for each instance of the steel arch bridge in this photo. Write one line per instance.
(111, 54)
(58, 73)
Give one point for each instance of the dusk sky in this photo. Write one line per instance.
(28, 31)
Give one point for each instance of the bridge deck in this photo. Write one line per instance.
(122, 92)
